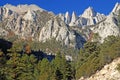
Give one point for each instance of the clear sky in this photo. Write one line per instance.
(61, 6)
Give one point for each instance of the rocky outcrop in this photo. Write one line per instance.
(92, 17)
(109, 26)
(30, 15)
(26, 24)
(23, 8)
(3, 32)
(108, 72)
(89, 12)
(73, 19)
(89, 17)
(5, 13)
(116, 8)
(67, 18)
(58, 30)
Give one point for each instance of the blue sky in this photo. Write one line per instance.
(61, 6)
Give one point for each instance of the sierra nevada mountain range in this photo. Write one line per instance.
(37, 24)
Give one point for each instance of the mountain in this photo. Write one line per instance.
(73, 19)
(99, 23)
(109, 26)
(92, 16)
(23, 8)
(89, 17)
(36, 24)
(56, 28)
(89, 12)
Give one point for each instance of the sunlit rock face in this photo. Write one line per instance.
(58, 30)
(116, 8)
(31, 21)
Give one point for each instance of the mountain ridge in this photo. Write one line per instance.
(41, 25)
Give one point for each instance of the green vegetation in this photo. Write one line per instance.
(118, 67)
(19, 63)
(52, 46)
(94, 56)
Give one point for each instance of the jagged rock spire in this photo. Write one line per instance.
(74, 17)
(89, 12)
(67, 18)
(116, 8)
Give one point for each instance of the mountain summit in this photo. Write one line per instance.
(89, 12)
(73, 19)
(116, 8)
(23, 8)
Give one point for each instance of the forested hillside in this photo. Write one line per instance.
(39, 45)
(21, 62)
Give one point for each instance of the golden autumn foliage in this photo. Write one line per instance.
(27, 49)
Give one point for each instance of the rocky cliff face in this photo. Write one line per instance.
(57, 29)
(116, 8)
(89, 17)
(108, 72)
(92, 16)
(109, 26)
(25, 24)
(38, 24)
(96, 22)
(23, 8)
